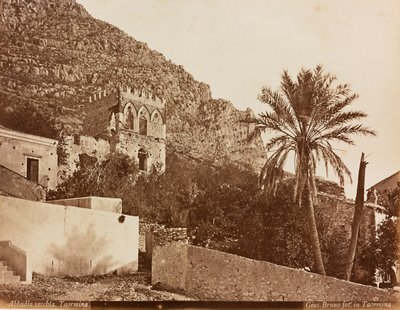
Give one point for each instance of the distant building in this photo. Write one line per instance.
(389, 183)
(33, 157)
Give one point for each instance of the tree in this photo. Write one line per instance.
(28, 117)
(357, 218)
(387, 247)
(108, 178)
(306, 115)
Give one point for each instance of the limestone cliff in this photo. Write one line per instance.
(54, 54)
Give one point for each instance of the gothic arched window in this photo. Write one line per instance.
(142, 156)
(157, 124)
(129, 119)
(143, 125)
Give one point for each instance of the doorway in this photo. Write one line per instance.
(32, 172)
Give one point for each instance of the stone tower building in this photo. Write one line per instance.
(133, 121)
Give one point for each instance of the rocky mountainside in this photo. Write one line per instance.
(54, 54)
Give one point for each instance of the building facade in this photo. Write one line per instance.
(133, 122)
(33, 157)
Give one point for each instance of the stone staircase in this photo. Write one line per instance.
(7, 274)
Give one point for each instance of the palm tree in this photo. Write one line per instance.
(305, 116)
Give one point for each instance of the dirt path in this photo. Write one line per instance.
(134, 287)
(117, 291)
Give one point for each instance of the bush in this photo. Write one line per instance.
(222, 207)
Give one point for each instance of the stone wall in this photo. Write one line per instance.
(159, 237)
(164, 236)
(339, 213)
(145, 230)
(68, 240)
(130, 143)
(212, 275)
(98, 112)
(75, 146)
(335, 215)
(15, 185)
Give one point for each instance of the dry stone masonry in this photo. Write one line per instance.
(212, 275)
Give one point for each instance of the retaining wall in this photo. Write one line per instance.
(212, 275)
(68, 240)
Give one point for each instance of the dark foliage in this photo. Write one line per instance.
(222, 207)
(387, 247)
(29, 118)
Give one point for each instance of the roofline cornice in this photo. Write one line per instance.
(9, 133)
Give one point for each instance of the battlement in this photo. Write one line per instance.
(101, 95)
(129, 93)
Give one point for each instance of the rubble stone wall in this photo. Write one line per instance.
(336, 215)
(212, 275)
(130, 143)
(158, 236)
(145, 231)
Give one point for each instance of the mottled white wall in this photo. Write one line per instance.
(70, 240)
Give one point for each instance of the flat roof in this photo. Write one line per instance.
(18, 135)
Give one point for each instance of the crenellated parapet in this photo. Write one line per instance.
(141, 96)
(101, 95)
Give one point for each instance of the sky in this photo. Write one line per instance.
(239, 46)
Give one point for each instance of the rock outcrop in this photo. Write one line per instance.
(53, 53)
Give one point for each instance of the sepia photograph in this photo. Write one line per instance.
(199, 154)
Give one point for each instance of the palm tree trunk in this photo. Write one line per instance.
(358, 212)
(316, 249)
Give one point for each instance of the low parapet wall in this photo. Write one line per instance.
(62, 240)
(212, 275)
(15, 185)
(91, 202)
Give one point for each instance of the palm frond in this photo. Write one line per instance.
(275, 141)
(305, 115)
(273, 171)
(281, 108)
(341, 133)
(335, 162)
(267, 120)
